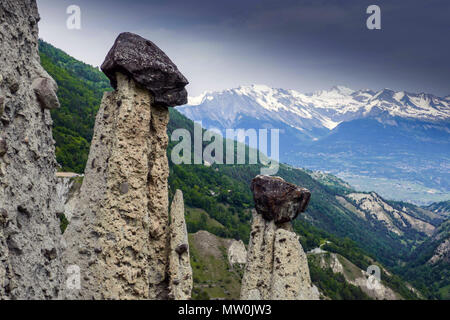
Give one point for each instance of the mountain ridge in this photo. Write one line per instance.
(329, 107)
(361, 135)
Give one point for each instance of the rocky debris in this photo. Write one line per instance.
(278, 200)
(124, 188)
(374, 288)
(369, 284)
(2, 105)
(209, 244)
(180, 271)
(3, 217)
(149, 66)
(237, 253)
(29, 234)
(182, 248)
(120, 235)
(3, 147)
(277, 267)
(45, 89)
(14, 86)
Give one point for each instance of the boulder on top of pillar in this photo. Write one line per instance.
(278, 200)
(149, 66)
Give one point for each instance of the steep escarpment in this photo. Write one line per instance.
(372, 207)
(354, 277)
(121, 237)
(441, 253)
(428, 267)
(30, 249)
(277, 267)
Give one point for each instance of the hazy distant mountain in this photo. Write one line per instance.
(400, 136)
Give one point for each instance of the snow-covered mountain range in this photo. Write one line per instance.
(363, 136)
(323, 109)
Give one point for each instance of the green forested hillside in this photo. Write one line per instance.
(324, 211)
(432, 277)
(80, 91)
(218, 197)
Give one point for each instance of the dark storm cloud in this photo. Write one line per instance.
(305, 45)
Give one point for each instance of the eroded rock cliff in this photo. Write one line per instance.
(277, 267)
(180, 271)
(121, 237)
(30, 248)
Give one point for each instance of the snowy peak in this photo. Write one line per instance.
(342, 90)
(307, 112)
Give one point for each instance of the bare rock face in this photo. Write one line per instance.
(442, 252)
(120, 236)
(257, 280)
(108, 238)
(180, 271)
(278, 200)
(237, 253)
(30, 238)
(290, 279)
(277, 268)
(150, 67)
(45, 89)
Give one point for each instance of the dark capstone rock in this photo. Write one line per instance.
(45, 90)
(278, 200)
(149, 66)
(3, 147)
(182, 248)
(124, 188)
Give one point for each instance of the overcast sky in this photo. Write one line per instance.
(303, 45)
